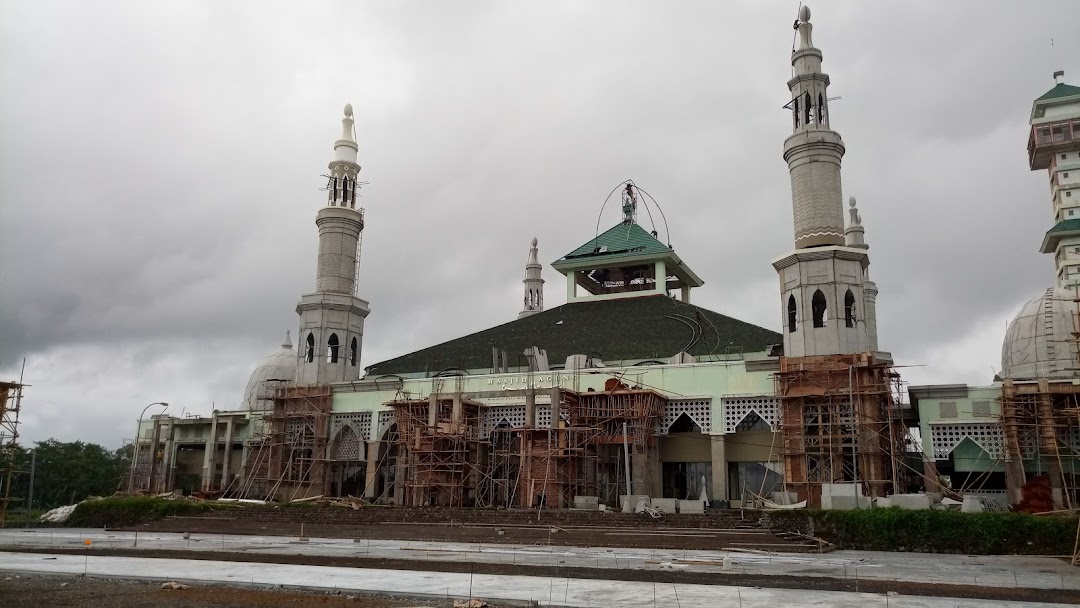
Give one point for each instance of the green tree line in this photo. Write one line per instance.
(65, 473)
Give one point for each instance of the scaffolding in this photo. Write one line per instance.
(440, 450)
(11, 394)
(841, 422)
(444, 460)
(1042, 441)
(287, 454)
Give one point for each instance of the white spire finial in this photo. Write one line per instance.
(288, 340)
(345, 147)
(854, 212)
(804, 27)
(347, 124)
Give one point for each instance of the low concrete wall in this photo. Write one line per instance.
(696, 507)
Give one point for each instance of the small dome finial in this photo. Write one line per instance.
(804, 14)
(348, 109)
(851, 201)
(288, 340)
(534, 241)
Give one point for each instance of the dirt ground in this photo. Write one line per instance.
(1060, 596)
(80, 592)
(621, 537)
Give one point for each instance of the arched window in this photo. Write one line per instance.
(352, 352)
(309, 352)
(795, 107)
(344, 191)
(820, 109)
(332, 349)
(806, 110)
(849, 309)
(820, 309)
(792, 314)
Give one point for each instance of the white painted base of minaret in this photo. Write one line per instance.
(323, 314)
(833, 271)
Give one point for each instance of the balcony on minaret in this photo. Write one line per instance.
(1048, 139)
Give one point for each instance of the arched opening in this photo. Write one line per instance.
(820, 109)
(807, 116)
(344, 191)
(795, 108)
(792, 314)
(849, 309)
(332, 349)
(352, 352)
(309, 352)
(820, 309)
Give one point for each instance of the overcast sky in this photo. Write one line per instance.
(160, 172)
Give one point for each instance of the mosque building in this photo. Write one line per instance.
(1023, 430)
(632, 387)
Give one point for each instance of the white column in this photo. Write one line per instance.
(571, 286)
(661, 277)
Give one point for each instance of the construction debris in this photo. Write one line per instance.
(473, 603)
(175, 586)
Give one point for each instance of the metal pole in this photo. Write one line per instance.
(135, 452)
(30, 493)
(626, 459)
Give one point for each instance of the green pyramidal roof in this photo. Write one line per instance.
(1059, 91)
(623, 240)
(1061, 229)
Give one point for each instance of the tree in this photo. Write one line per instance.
(67, 472)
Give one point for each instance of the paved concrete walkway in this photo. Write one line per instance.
(547, 591)
(997, 571)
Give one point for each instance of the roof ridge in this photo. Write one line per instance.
(1059, 90)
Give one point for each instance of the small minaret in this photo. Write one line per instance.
(856, 238)
(823, 281)
(534, 284)
(332, 318)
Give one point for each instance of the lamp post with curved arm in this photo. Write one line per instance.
(135, 452)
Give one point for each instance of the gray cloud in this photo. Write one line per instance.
(160, 167)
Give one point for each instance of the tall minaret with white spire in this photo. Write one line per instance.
(534, 284)
(823, 280)
(332, 318)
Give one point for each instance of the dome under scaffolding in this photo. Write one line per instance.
(278, 365)
(1041, 341)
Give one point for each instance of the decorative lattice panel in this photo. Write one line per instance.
(294, 426)
(359, 421)
(698, 410)
(347, 445)
(491, 417)
(945, 438)
(767, 407)
(386, 420)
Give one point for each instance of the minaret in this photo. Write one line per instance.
(332, 318)
(534, 284)
(822, 281)
(1054, 145)
(855, 235)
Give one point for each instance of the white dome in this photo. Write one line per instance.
(1038, 342)
(278, 365)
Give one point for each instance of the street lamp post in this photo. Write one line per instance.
(135, 452)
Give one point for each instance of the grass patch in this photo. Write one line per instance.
(131, 510)
(932, 531)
